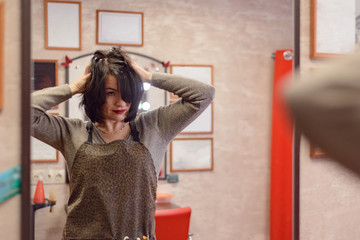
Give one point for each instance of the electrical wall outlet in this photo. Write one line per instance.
(49, 176)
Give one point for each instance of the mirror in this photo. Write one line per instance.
(239, 46)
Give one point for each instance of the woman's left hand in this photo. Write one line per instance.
(79, 85)
(144, 75)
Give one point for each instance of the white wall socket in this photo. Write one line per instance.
(49, 176)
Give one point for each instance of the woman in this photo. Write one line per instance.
(114, 159)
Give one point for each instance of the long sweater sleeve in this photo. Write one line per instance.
(325, 104)
(57, 131)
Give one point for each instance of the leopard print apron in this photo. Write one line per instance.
(112, 191)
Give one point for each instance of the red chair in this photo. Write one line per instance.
(172, 224)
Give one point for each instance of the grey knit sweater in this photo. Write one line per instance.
(156, 128)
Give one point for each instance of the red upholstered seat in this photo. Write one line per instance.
(172, 224)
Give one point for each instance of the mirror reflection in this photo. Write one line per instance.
(229, 46)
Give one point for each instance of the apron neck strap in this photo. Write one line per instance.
(89, 128)
(134, 132)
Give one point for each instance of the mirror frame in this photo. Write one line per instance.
(25, 209)
(297, 133)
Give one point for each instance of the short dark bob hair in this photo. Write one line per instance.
(114, 62)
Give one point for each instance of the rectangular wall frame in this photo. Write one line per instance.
(45, 73)
(333, 28)
(62, 25)
(191, 154)
(42, 152)
(2, 17)
(119, 28)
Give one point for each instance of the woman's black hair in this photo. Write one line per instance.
(114, 62)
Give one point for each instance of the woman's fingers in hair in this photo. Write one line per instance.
(79, 85)
(144, 75)
(87, 68)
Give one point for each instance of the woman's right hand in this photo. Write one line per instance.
(79, 85)
(144, 75)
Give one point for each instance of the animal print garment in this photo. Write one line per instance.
(112, 192)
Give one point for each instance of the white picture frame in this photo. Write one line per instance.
(333, 27)
(2, 47)
(191, 154)
(42, 152)
(119, 28)
(62, 25)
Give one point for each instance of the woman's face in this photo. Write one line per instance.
(114, 108)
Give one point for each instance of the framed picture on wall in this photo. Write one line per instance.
(62, 25)
(2, 16)
(119, 28)
(203, 73)
(335, 27)
(45, 74)
(191, 154)
(42, 152)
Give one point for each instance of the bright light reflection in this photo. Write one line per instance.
(146, 86)
(145, 106)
